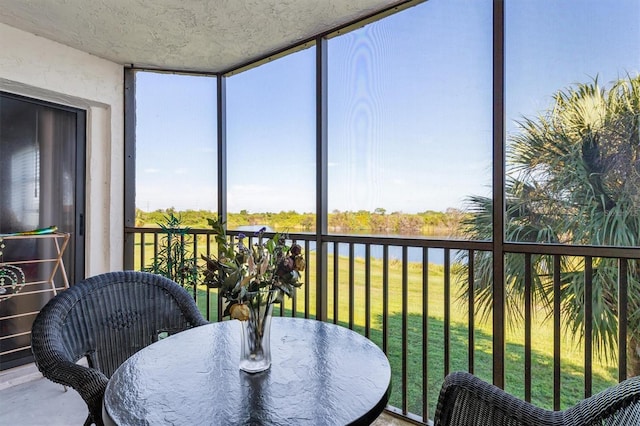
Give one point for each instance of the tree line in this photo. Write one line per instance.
(427, 223)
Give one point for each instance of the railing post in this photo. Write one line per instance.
(623, 315)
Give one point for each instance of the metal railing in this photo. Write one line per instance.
(412, 297)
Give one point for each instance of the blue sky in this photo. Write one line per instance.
(409, 108)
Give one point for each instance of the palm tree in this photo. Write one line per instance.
(574, 178)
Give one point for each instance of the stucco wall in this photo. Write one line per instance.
(39, 68)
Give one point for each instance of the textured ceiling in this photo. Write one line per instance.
(197, 35)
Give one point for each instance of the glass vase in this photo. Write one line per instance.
(255, 350)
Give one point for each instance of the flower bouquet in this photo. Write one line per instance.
(252, 278)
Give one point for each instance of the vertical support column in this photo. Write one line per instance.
(321, 178)
(498, 195)
(129, 166)
(222, 161)
(222, 147)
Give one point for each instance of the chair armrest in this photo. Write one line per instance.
(89, 382)
(465, 399)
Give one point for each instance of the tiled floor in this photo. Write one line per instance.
(27, 399)
(41, 403)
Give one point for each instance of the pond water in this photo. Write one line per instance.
(414, 254)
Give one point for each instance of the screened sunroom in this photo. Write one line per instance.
(462, 176)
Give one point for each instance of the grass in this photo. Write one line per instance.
(572, 364)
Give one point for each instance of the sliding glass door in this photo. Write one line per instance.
(42, 168)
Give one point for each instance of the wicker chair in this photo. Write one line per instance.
(106, 318)
(466, 400)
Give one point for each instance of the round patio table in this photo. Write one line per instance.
(321, 374)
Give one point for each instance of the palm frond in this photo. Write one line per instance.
(573, 178)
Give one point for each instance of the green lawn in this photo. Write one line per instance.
(572, 364)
